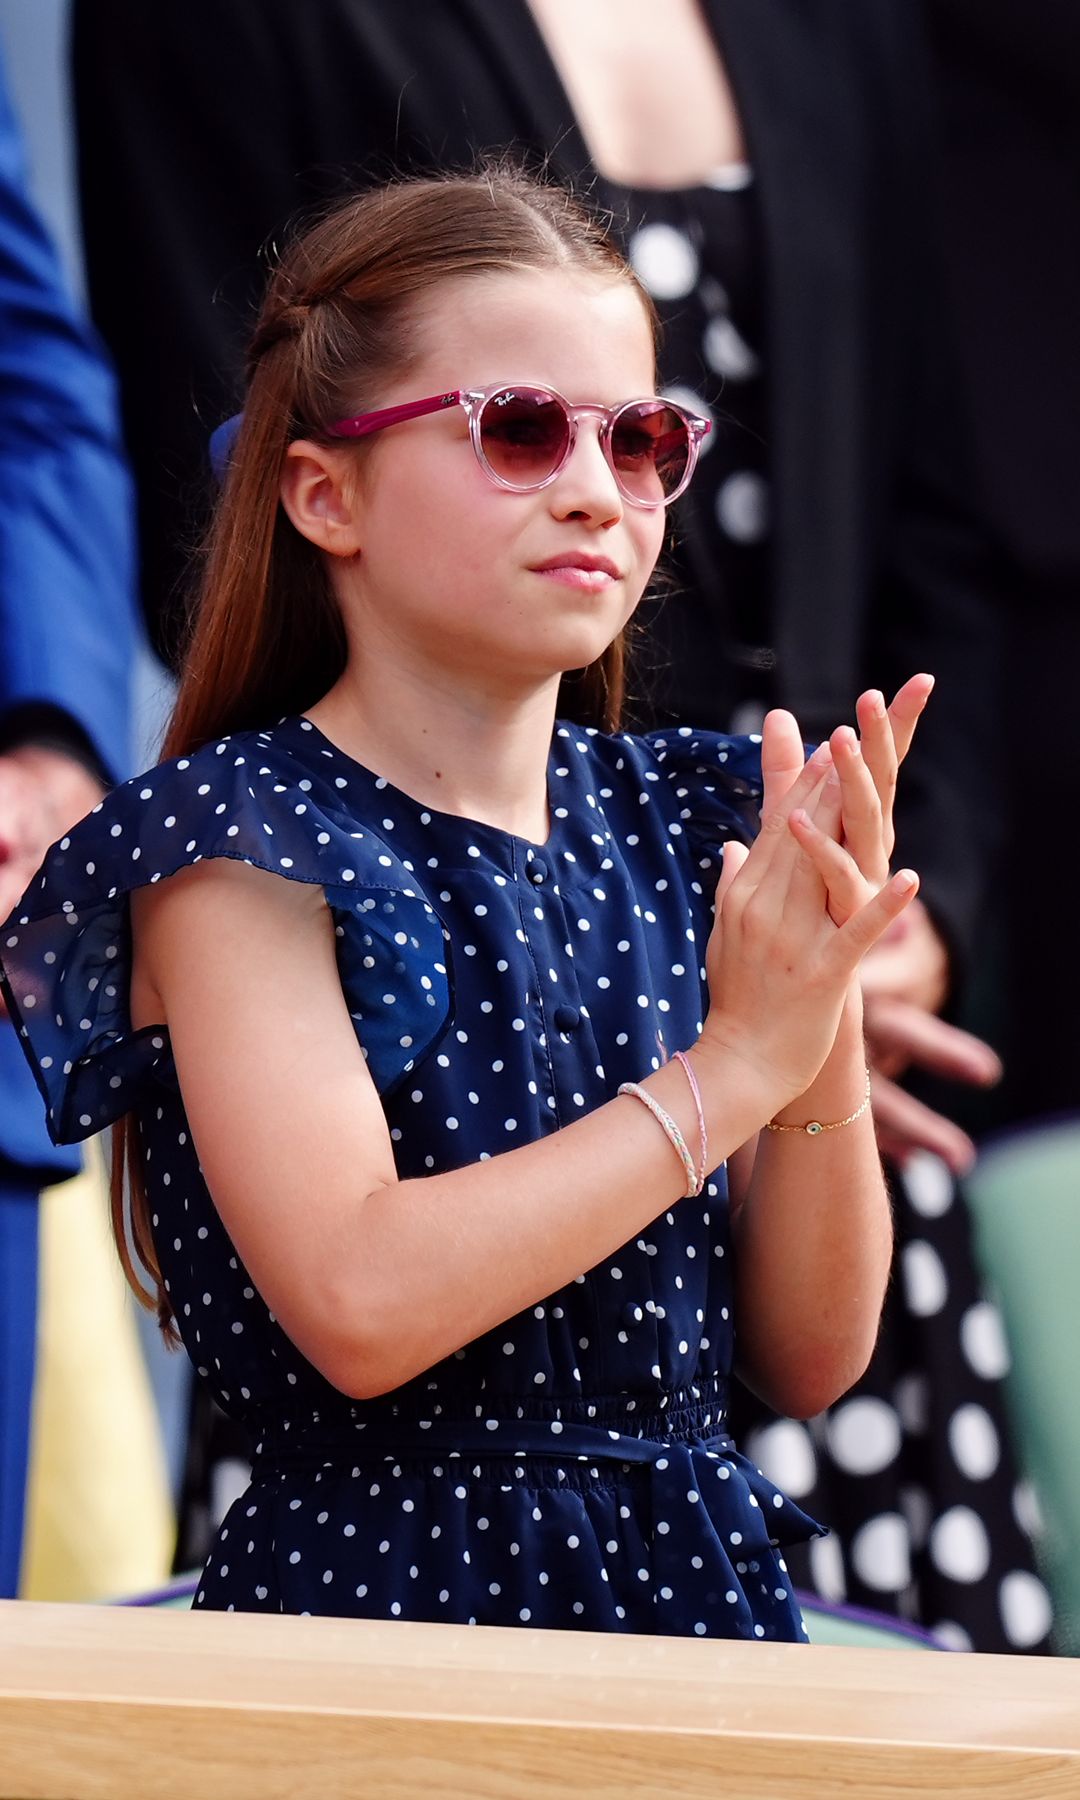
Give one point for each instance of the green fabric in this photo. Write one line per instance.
(180, 1600)
(856, 1633)
(1024, 1195)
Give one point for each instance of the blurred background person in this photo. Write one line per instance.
(770, 168)
(1007, 86)
(72, 1385)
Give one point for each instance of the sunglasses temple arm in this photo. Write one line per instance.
(364, 423)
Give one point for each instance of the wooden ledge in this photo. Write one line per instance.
(97, 1701)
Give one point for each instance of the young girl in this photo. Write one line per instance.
(428, 1054)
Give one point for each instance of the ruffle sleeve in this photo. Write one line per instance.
(65, 951)
(716, 782)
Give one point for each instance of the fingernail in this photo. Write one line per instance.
(821, 755)
(800, 816)
(904, 881)
(877, 703)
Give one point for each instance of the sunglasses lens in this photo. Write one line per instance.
(524, 435)
(651, 450)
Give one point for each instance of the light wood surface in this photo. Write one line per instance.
(98, 1702)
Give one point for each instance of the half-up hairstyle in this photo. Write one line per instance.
(337, 324)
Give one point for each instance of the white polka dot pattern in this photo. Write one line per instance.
(572, 1467)
(665, 260)
(742, 507)
(864, 1435)
(1025, 1608)
(920, 1447)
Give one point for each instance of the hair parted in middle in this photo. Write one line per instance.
(340, 318)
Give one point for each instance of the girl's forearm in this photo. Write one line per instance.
(431, 1264)
(814, 1243)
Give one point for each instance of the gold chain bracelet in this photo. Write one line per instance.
(815, 1127)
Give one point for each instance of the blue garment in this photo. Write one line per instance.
(67, 643)
(67, 561)
(571, 1467)
(18, 1311)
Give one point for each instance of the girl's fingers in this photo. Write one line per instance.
(787, 876)
(825, 805)
(879, 751)
(864, 825)
(774, 837)
(886, 734)
(805, 881)
(782, 757)
(735, 855)
(845, 887)
(853, 940)
(906, 709)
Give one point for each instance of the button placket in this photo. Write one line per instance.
(531, 872)
(569, 1041)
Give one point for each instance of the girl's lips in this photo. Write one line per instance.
(589, 573)
(573, 575)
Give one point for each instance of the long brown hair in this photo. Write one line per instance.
(339, 321)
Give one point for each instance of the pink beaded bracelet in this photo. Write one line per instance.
(703, 1136)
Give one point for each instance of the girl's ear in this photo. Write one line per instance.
(319, 493)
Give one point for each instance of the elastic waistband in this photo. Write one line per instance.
(614, 1428)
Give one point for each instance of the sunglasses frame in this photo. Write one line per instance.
(474, 400)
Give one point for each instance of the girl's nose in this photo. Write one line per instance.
(586, 485)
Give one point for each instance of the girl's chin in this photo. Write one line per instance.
(529, 672)
(533, 647)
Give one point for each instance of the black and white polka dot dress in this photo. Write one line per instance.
(710, 655)
(571, 1468)
(914, 1470)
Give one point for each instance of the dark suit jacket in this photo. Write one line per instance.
(202, 129)
(1008, 82)
(67, 577)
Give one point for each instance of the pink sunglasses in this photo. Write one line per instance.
(524, 436)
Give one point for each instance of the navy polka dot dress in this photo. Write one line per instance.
(572, 1467)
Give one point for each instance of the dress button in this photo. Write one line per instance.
(537, 871)
(633, 1313)
(567, 1018)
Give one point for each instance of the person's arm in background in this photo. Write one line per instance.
(67, 579)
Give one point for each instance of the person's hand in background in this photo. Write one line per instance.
(904, 983)
(42, 794)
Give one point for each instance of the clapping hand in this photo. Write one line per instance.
(798, 910)
(853, 810)
(904, 975)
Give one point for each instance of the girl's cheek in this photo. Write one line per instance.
(652, 541)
